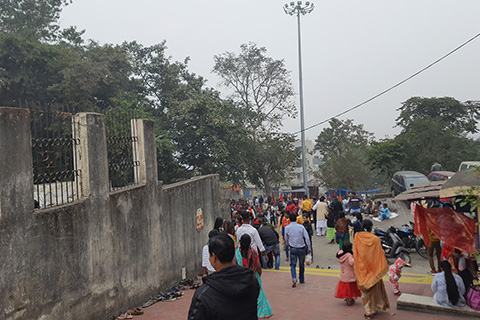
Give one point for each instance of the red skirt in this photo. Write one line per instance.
(347, 290)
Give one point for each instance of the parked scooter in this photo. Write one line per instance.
(393, 246)
(409, 239)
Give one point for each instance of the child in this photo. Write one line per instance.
(341, 229)
(395, 272)
(347, 286)
(385, 213)
(285, 223)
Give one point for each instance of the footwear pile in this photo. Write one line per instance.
(171, 294)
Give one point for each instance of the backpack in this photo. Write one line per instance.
(473, 297)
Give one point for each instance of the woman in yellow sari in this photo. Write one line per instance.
(370, 267)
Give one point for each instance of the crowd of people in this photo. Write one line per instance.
(260, 229)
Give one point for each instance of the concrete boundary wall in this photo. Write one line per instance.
(106, 252)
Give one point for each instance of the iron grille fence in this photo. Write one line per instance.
(54, 147)
(122, 149)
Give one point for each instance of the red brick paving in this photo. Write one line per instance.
(311, 300)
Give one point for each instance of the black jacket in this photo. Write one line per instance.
(230, 294)
(268, 235)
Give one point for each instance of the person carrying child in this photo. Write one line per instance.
(347, 286)
(395, 272)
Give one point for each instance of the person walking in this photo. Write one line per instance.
(370, 267)
(331, 220)
(306, 206)
(308, 226)
(247, 228)
(247, 257)
(271, 243)
(285, 222)
(296, 238)
(229, 293)
(321, 214)
(357, 224)
(341, 229)
(434, 248)
(206, 266)
(347, 288)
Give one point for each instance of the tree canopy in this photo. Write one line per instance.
(33, 19)
(343, 147)
(262, 90)
(451, 113)
(260, 85)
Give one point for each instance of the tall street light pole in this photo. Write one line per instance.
(291, 9)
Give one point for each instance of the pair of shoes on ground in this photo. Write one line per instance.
(349, 302)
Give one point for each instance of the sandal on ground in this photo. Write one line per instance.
(368, 316)
(294, 284)
(135, 311)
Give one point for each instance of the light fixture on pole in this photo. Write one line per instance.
(291, 9)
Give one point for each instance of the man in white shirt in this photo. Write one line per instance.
(247, 228)
(206, 265)
(321, 208)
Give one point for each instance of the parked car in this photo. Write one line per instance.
(403, 180)
(468, 164)
(440, 175)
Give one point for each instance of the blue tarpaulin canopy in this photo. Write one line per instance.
(343, 193)
(290, 191)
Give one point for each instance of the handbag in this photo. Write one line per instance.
(473, 297)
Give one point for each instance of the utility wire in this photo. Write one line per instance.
(392, 87)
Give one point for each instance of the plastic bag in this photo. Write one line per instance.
(308, 259)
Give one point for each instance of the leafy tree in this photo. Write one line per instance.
(205, 133)
(33, 19)
(262, 90)
(426, 142)
(209, 137)
(271, 161)
(434, 130)
(387, 156)
(85, 77)
(260, 85)
(343, 147)
(448, 111)
(340, 136)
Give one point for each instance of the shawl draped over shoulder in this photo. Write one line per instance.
(370, 262)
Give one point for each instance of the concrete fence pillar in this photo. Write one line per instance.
(146, 152)
(91, 157)
(16, 173)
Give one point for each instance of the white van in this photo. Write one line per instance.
(468, 164)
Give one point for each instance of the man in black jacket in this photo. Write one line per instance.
(271, 243)
(229, 293)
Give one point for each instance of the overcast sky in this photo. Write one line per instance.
(352, 49)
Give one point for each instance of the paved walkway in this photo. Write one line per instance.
(311, 300)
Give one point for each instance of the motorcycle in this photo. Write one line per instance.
(409, 239)
(393, 247)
